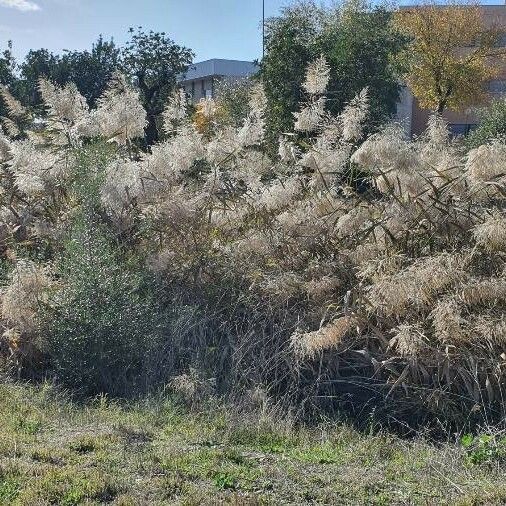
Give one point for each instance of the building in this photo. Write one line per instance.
(414, 118)
(201, 78)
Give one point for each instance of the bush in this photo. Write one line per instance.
(105, 330)
(492, 124)
(105, 325)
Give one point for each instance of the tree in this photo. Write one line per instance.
(357, 40)
(7, 66)
(37, 63)
(154, 61)
(92, 70)
(359, 50)
(450, 56)
(289, 45)
(89, 70)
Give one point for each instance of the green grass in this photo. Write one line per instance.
(156, 452)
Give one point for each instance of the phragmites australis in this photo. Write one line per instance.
(119, 116)
(409, 340)
(14, 107)
(21, 298)
(491, 234)
(310, 116)
(317, 77)
(406, 238)
(308, 344)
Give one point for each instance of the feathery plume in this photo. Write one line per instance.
(14, 107)
(310, 116)
(317, 76)
(353, 116)
(175, 111)
(21, 298)
(491, 235)
(306, 345)
(409, 340)
(119, 116)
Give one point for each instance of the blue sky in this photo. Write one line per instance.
(212, 28)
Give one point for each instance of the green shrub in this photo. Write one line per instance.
(492, 124)
(104, 326)
(484, 448)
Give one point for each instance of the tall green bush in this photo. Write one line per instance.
(105, 326)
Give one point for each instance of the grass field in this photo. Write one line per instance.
(156, 452)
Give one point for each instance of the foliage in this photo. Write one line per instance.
(103, 325)
(90, 71)
(276, 278)
(360, 50)
(150, 60)
(7, 65)
(232, 101)
(154, 61)
(357, 41)
(484, 448)
(289, 45)
(452, 54)
(491, 125)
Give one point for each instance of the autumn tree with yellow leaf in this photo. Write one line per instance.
(451, 54)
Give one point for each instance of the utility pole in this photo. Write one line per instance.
(263, 28)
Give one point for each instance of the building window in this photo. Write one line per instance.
(203, 94)
(193, 89)
(461, 129)
(501, 40)
(497, 86)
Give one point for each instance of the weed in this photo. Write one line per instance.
(484, 448)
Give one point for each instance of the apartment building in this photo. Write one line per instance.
(201, 78)
(414, 118)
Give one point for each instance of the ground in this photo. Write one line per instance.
(53, 451)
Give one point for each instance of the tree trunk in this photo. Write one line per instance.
(151, 132)
(441, 106)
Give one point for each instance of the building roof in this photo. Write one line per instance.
(218, 67)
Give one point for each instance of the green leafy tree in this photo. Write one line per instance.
(359, 49)
(154, 61)
(89, 70)
(290, 46)
(7, 66)
(358, 42)
(37, 63)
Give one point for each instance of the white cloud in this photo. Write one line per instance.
(21, 5)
